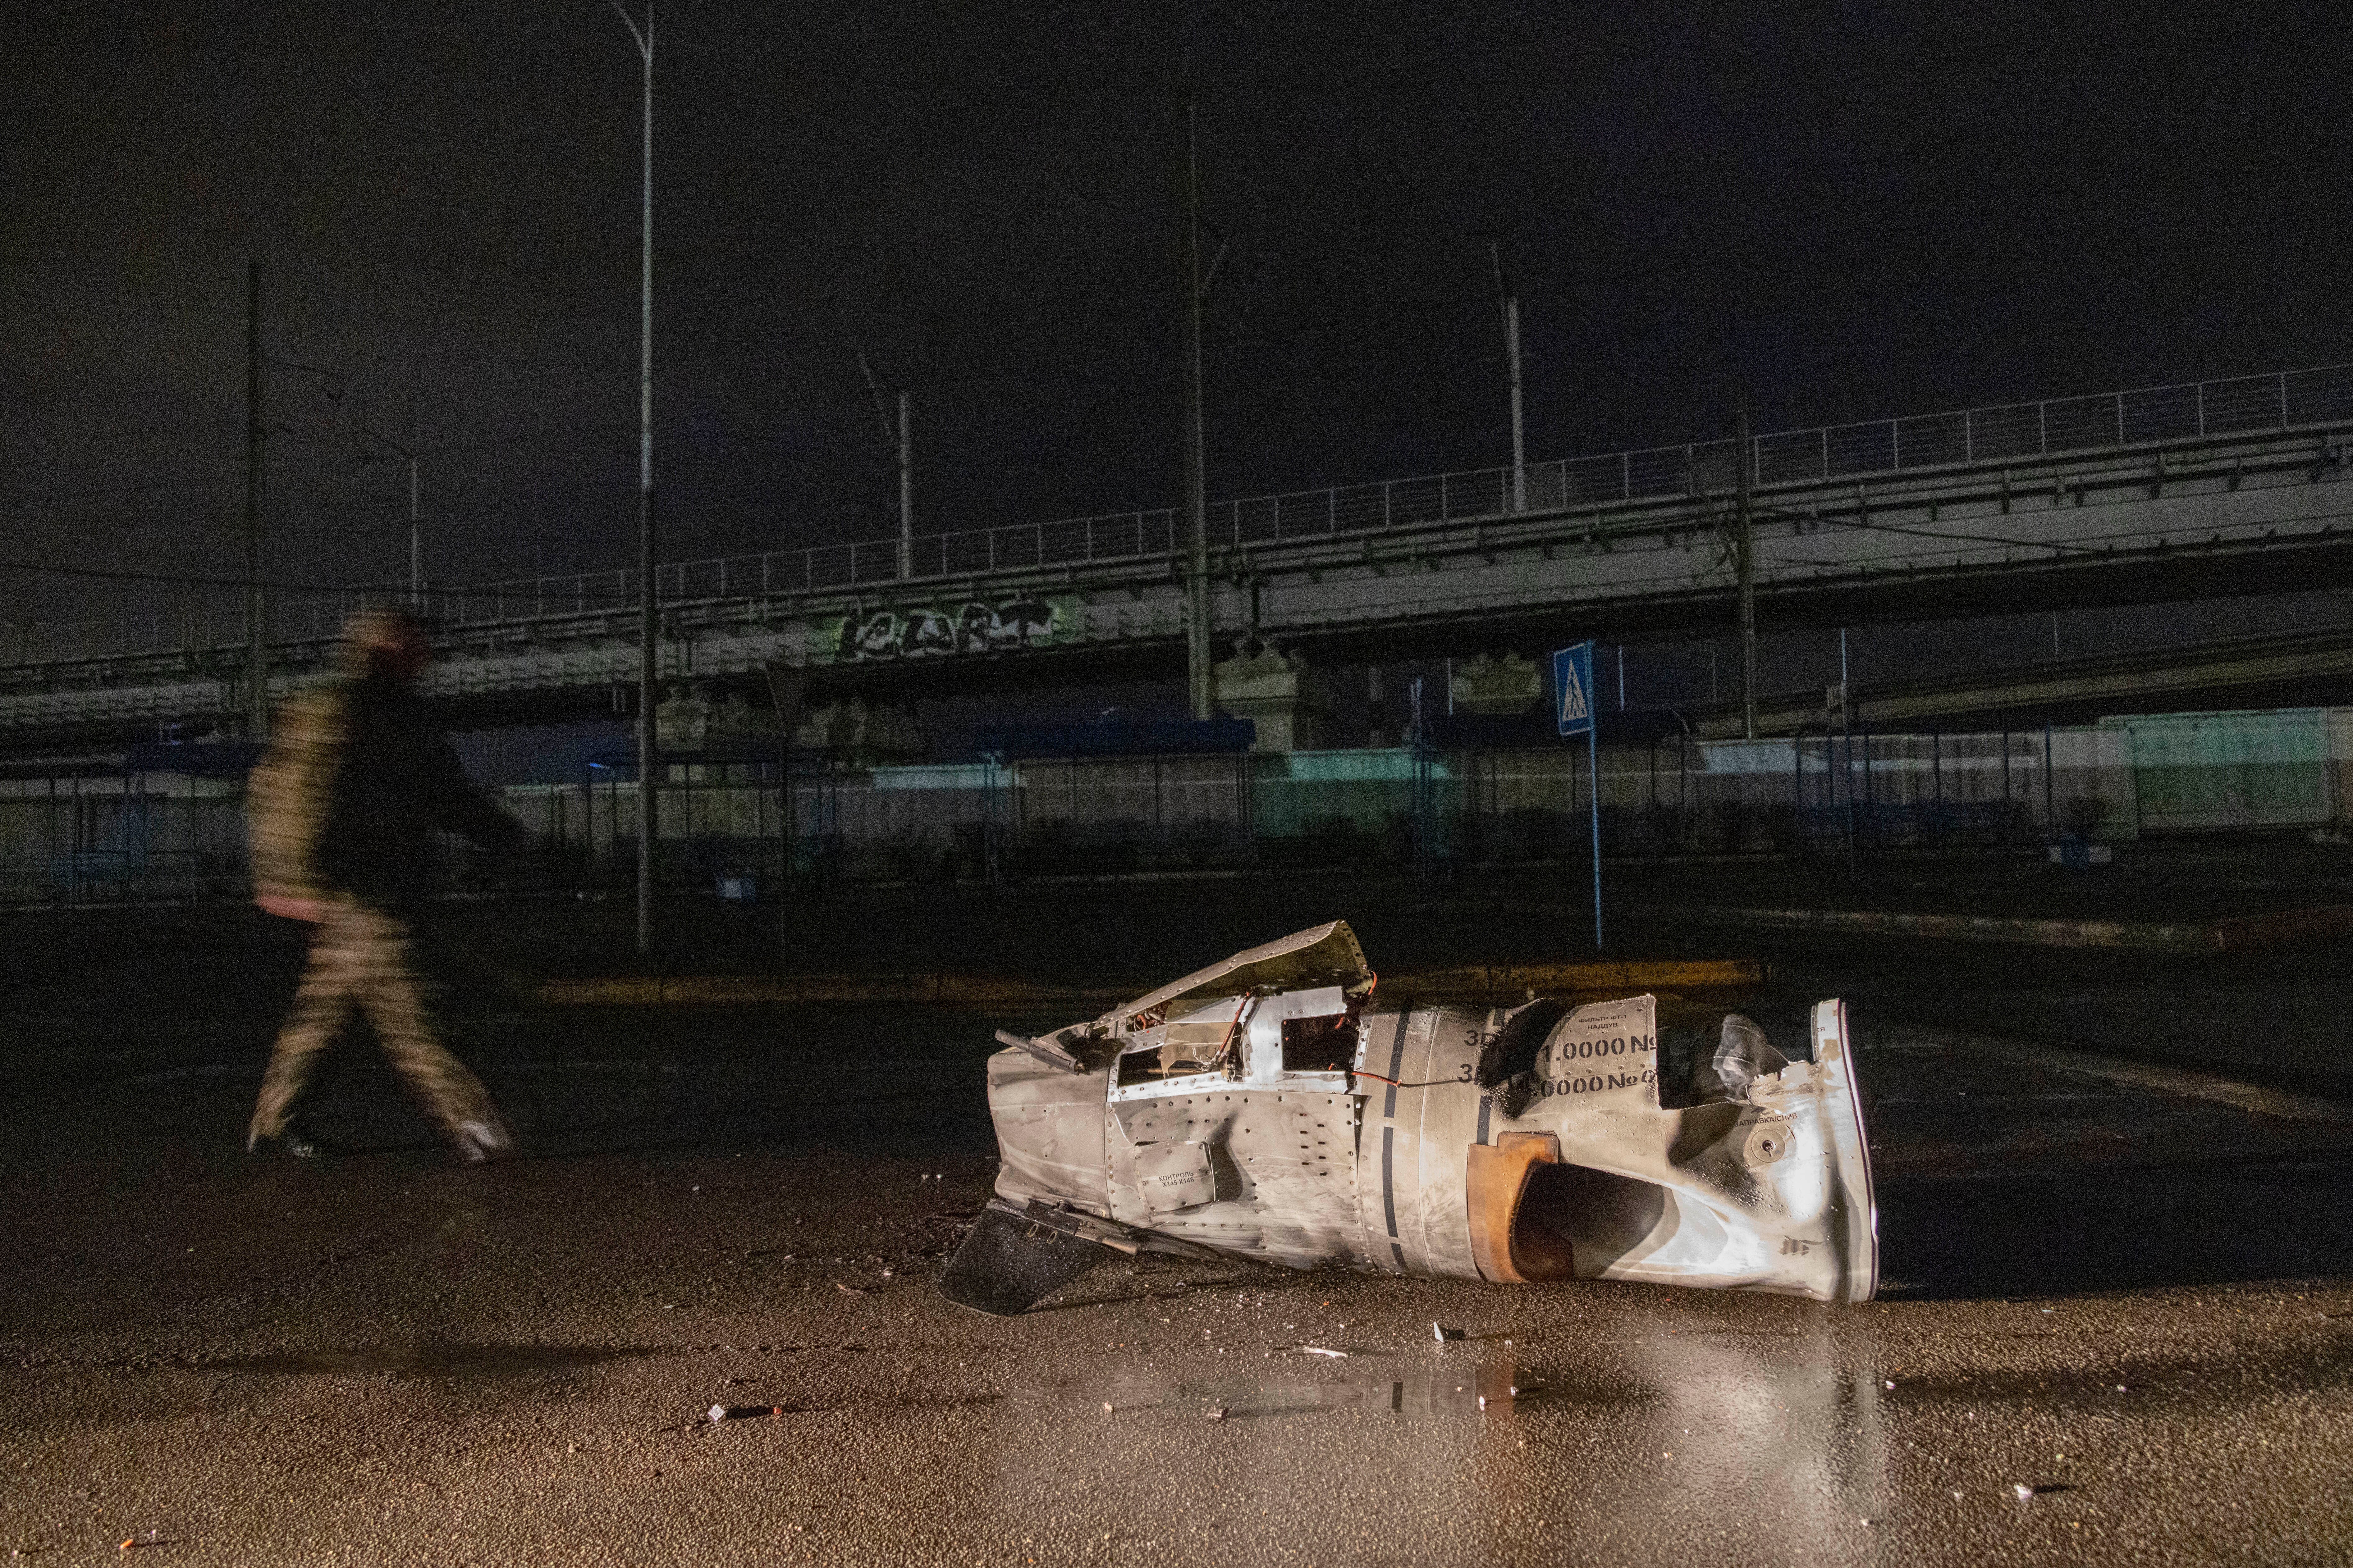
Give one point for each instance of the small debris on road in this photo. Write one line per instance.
(1441, 1334)
(1319, 1350)
(745, 1412)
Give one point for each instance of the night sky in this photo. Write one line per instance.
(1856, 212)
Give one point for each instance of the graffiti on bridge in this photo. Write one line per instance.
(924, 632)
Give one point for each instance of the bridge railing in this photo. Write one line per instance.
(2282, 400)
(185, 631)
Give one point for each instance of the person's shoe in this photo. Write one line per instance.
(479, 1142)
(295, 1141)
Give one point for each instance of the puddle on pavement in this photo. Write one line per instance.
(1424, 1392)
(429, 1360)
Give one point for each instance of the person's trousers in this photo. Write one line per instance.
(368, 958)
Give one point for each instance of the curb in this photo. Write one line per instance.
(2245, 934)
(2193, 1082)
(1482, 981)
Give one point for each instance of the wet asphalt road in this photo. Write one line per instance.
(2135, 1303)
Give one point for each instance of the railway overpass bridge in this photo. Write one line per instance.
(2191, 490)
(2295, 670)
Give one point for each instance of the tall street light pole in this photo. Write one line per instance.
(648, 818)
(257, 671)
(1199, 676)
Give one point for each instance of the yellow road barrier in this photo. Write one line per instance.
(1491, 981)
(2245, 934)
(1514, 980)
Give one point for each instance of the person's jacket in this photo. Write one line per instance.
(358, 780)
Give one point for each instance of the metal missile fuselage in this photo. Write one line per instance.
(1267, 1109)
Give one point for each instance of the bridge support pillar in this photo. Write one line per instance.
(1509, 685)
(862, 732)
(1289, 703)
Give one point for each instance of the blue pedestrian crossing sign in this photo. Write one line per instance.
(1572, 689)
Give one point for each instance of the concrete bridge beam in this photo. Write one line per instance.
(2192, 518)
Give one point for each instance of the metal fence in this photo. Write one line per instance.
(2280, 400)
(91, 841)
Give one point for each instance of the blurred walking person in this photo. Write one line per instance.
(341, 812)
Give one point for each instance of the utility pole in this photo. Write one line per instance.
(415, 522)
(898, 433)
(649, 589)
(1197, 517)
(257, 671)
(906, 491)
(1511, 304)
(1744, 561)
(415, 545)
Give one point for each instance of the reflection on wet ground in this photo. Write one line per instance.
(1471, 1388)
(746, 1210)
(429, 1360)
(1602, 1435)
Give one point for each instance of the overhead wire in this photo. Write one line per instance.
(1094, 365)
(177, 579)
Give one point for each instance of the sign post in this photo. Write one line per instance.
(1572, 687)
